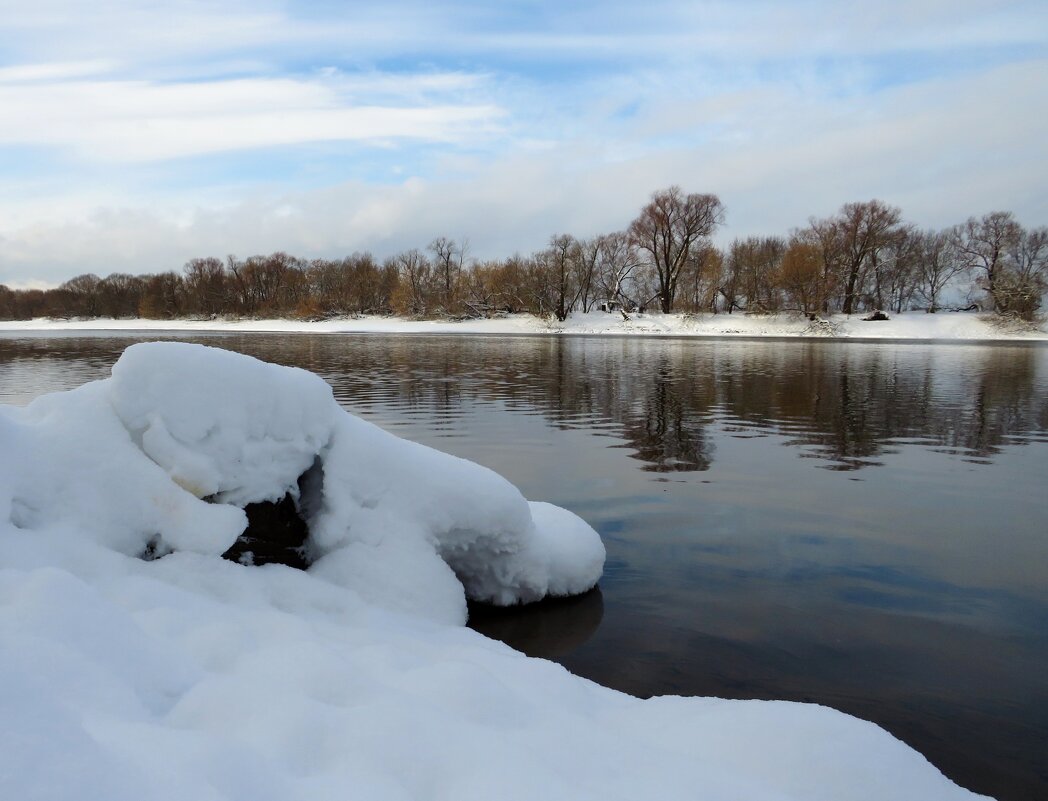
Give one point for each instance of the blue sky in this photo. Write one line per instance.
(134, 136)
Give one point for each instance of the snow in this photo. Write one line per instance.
(191, 676)
(969, 326)
(180, 423)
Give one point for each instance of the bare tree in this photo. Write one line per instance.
(801, 274)
(938, 263)
(272, 284)
(557, 263)
(1020, 288)
(240, 294)
(8, 304)
(894, 269)
(415, 286)
(448, 263)
(119, 295)
(205, 285)
(513, 284)
(863, 229)
(751, 271)
(984, 244)
(358, 285)
(162, 296)
(700, 280)
(824, 236)
(617, 261)
(83, 295)
(585, 256)
(668, 228)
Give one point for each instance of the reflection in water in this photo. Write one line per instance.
(549, 629)
(844, 404)
(905, 582)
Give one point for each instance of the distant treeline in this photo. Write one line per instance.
(865, 257)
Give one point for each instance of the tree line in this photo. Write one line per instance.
(863, 258)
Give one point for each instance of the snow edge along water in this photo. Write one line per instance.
(908, 326)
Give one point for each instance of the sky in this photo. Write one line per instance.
(135, 136)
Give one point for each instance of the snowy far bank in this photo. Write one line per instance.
(185, 675)
(959, 326)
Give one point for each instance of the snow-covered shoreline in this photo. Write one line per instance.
(909, 326)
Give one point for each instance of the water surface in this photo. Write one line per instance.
(859, 525)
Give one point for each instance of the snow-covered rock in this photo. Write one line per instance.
(191, 676)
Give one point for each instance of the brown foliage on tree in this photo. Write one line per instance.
(802, 277)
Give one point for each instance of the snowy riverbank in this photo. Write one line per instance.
(960, 326)
(126, 673)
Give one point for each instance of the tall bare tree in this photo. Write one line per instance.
(585, 256)
(162, 296)
(119, 295)
(617, 261)
(801, 274)
(824, 236)
(415, 287)
(984, 244)
(938, 263)
(894, 269)
(700, 280)
(205, 286)
(862, 230)
(1022, 286)
(557, 260)
(83, 294)
(448, 263)
(668, 228)
(751, 272)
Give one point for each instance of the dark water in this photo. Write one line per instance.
(859, 525)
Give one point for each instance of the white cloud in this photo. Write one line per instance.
(142, 121)
(55, 71)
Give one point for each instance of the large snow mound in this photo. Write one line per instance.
(191, 676)
(165, 453)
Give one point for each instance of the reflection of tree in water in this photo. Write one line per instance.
(669, 432)
(845, 403)
(850, 404)
(851, 415)
(1005, 403)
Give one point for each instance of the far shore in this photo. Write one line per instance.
(955, 326)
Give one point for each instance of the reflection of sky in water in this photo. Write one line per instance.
(907, 584)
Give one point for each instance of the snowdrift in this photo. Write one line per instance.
(193, 676)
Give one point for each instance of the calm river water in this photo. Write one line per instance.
(858, 525)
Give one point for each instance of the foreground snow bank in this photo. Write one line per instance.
(191, 676)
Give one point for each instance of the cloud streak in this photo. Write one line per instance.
(144, 121)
